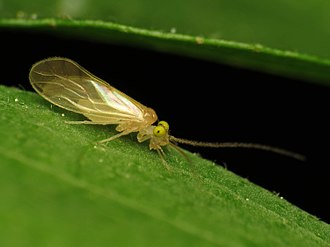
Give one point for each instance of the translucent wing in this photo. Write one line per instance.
(66, 84)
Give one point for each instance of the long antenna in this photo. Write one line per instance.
(277, 150)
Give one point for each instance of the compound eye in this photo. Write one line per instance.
(159, 131)
(164, 124)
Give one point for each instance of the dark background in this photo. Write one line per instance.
(208, 102)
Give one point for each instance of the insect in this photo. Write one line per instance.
(66, 84)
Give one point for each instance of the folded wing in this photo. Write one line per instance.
(66, 84)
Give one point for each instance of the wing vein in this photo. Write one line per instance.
(66, 84)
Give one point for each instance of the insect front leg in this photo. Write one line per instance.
(162, 157)
(114, 137)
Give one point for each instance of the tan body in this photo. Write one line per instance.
(66, 84)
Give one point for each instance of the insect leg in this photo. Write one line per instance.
(83, 122)
(115, 136)
(180, 151)
(162, 157)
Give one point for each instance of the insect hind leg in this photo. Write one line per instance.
(84, 122)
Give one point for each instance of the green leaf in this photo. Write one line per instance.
(284, 24)
(251, 56)
(58, 188)
(287, 38)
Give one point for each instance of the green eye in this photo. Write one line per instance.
(159, 131)
(164, 124)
